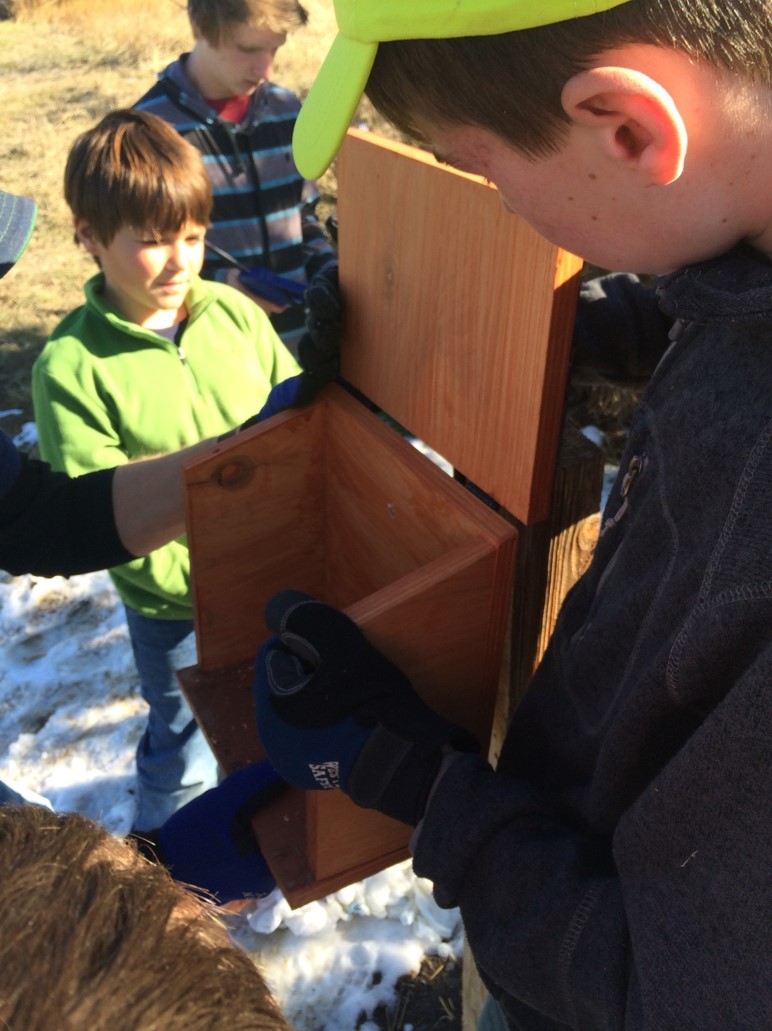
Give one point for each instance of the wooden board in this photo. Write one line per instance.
(458, 317)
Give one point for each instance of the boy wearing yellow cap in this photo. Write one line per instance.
(613, 871)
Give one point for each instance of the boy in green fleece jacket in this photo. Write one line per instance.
(156, 359)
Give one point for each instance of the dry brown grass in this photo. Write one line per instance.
(64, 64)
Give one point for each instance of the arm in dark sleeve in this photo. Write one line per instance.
(52, 524)
(530, 887)
(664, 922)
(620, 330)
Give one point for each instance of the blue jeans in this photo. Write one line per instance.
(492, 1017)
(22, 796)
(174, 761)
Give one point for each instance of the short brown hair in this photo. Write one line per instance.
(214, 19)
(134, 169)
(96, 938)
(511, 84)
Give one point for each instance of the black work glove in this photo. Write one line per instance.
(318, 351)
(332, 711)
(319, 347)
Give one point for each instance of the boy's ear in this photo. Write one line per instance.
(636, 120)
(85, 236)
(195, 28)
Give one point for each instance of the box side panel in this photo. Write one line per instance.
(558, 355)
(435, 626)
(255, 526)
(347, 843)
(449, 324)
(222, 703)
(389, 510)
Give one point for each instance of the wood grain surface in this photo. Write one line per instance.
(458, 317)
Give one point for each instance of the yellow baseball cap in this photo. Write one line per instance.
(363, 24)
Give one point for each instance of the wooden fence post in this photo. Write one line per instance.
(552, 555)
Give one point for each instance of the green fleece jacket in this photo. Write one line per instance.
(107, 391)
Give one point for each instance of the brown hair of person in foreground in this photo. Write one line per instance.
(93, 937)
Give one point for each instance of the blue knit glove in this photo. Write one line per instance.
(290, 393)
(332, 711)
(210, 844)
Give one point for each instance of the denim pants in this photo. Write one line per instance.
(492, 1017)
(17, 795)
(174, 761)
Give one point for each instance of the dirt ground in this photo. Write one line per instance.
(428, 1001)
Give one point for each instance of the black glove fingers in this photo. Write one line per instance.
(326, 670)
(324, 628)
(281, 605)
(310, 629)
(322, 297)
(304, 651)
(322, 305)
(338, 645)
(319, 697)
(319, 348)
(310, 386)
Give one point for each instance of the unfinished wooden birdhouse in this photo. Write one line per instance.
(457, 325)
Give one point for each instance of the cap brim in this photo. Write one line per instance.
(17, 220)
(330, 105)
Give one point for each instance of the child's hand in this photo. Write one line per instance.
(210, 844)
(319, 347)
(294, 392)
(332, 711)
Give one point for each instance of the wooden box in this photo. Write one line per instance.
(333, 501)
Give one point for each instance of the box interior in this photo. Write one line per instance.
(328, 500)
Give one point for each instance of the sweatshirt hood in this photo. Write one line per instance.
(175, 79)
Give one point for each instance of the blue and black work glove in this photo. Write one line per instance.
(210, 844)
(333, 712)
